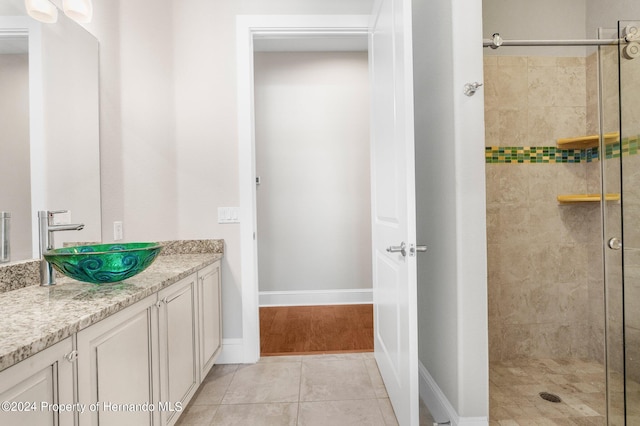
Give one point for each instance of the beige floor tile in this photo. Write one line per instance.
(376, 379)
(584, 410)
(222, 372)
(337, 357)
(281, 358)
(388, 415)
(544, 421)
(508, 423)
(344, 413)
(264, 382)
(215, 385)
(335, 380)
(267, 393)
(197, 415)
(515, 385)
(284, 414)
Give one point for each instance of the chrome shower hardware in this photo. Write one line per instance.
(614, 243)
(470, 89)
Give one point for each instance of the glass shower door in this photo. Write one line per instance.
(611, 308)
(629, 72)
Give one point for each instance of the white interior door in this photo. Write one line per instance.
(393, 206)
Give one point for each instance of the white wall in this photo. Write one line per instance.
(601, 14)
(539, 20)
(312, 154)
(168, 119)
(450, 187)
(15, 196)
(550, 19)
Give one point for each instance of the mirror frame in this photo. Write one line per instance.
(25, 26)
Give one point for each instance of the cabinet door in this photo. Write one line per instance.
(33, 388)
(115, 370)
(210, 318)
(178, 347)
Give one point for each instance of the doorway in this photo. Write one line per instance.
(393, 229)
(283, 31)
(312, 194)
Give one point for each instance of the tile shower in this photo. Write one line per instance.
(547, 301)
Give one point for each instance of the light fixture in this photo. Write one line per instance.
(42, 10)
(78, 10)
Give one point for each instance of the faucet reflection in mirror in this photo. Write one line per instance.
(5, 227)
(47, 12)
(47, 227)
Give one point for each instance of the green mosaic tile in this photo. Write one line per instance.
(552, 154)
(538, 154)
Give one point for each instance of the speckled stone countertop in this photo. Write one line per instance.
(34, 318)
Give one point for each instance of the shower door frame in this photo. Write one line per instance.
(612, 334)
(628, 67)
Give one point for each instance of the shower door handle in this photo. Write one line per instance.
(615, 243)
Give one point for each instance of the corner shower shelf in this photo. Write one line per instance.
(584, 142)
(586, 198)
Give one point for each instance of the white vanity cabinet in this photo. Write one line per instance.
(31, 389)
(210, 320)
(178, 340)
(117, 368)
(142, 365)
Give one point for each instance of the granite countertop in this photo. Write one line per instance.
(34, 318)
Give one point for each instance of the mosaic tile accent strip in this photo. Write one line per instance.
(552, 154)
(534, 154)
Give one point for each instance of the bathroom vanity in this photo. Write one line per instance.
(132, 352)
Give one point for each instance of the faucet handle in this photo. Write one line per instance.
(48, 214)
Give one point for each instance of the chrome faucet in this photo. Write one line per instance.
(47, 228)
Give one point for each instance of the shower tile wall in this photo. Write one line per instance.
(545, 268)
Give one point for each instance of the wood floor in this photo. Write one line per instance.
(297, 330)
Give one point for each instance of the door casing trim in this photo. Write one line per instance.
(248, 28)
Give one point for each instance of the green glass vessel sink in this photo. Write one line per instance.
(103, 263)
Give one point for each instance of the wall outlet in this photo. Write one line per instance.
(228, 215)
(117, 231)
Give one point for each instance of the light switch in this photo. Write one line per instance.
(228, 215)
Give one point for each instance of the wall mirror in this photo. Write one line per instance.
(49, 126)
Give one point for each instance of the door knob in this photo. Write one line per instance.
(402, 248)
(417, 249)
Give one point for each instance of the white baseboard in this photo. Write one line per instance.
(316, 297)
(232, 352)
(439, 406)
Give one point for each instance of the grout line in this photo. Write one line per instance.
(226, 389)
(299, 393)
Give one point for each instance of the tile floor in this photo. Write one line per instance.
(343, 389)
(515, 386)
(347, 389)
